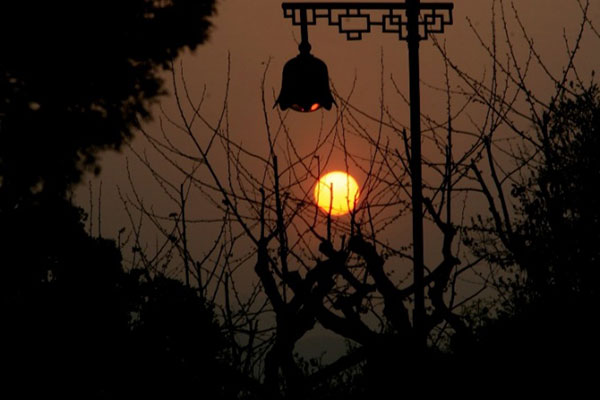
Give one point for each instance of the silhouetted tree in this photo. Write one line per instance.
(558, 213)
(62, 314)
(176, 348)
(76, 78)
(76, 324)
(554, 233)
(551, 245)
(540, 236)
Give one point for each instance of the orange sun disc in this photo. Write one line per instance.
(336, 192)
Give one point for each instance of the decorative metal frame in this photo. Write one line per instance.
(391, 17)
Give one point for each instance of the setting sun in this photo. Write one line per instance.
(345, 193)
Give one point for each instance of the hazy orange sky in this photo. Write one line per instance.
(254, 33)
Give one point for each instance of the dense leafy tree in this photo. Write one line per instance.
(176, 344)
(77, 76)
(559, 207)
(552, 239)
(550, 252)
(76, 325)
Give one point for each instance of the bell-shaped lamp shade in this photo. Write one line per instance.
(305, 85)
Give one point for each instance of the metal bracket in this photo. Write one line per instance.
(354, 19)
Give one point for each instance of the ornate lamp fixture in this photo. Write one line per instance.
(305, 83)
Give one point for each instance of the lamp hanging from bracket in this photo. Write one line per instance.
(305, 81)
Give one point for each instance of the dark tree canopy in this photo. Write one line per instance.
(553, 239)
(76, 324)
(559, 208)
(77, 76)
(547, 317)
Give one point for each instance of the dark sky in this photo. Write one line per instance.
(254, 32)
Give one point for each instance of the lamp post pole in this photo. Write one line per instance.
(413, 21)
(416, 173)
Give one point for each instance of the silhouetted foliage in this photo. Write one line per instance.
(75, 323)
(61, 311)
(553, 238)
(77, 76)
(547, 318)
(558, 225)
(175, 342)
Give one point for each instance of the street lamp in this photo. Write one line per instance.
(412, 21)
(305, 83)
